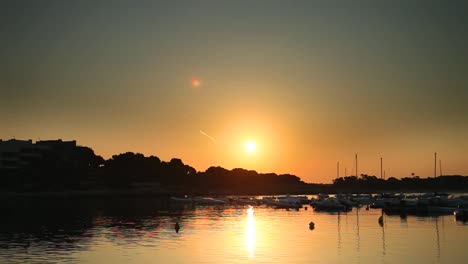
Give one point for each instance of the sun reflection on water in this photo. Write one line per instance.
(250, 232)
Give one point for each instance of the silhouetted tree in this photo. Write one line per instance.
(71, 167)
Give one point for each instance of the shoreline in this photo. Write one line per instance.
(136, 193)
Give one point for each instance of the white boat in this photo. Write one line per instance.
(281, 203)
(208, 201)
(244, 201)
(269, 200)
(330, 204)
(290, 199)
(287, 205)
(384, 202)
(302, 199)
(409, 202)
(182, 200)
(345, 200)
(461, 214)
(439, 210)
(361, 200)
(322, 196)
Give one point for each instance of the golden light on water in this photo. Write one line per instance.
(250, 232)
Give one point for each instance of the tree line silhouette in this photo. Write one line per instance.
(80, 168)
(370, 183)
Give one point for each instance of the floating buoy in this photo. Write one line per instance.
(381, 220)
(367, 208)
(311, 225)
(305, 207)
(177, 227)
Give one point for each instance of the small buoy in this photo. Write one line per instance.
(381, 220)
(367, 207)
(177, 227)
(311, 225)
(305, 207)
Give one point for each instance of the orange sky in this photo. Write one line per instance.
(310, 83)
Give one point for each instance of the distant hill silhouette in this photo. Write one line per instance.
(51, 166)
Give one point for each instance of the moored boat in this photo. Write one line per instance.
(208, 201)
(330, 204)
(281, 203)
(182, 200)
(461, 214)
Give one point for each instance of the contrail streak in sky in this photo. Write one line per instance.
(210, 137)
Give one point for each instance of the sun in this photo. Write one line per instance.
(250, 146)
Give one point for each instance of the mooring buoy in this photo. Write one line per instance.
(381, 220)
(311, 225)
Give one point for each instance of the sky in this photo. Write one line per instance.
(310, 83)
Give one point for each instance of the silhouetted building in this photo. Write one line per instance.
(11, 153)
(15, 154)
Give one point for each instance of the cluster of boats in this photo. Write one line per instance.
(424, 204)
(292, 202)
(418, 204)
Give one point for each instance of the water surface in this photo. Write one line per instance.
(142, 231)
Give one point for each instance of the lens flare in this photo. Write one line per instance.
(196, 82)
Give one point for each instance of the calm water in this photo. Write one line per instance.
(142, 231)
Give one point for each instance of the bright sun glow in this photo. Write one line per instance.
(250, 146)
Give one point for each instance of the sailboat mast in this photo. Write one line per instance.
(337, 169)
(356, 166)
(435, 164)
(381, 163)
(440, 167)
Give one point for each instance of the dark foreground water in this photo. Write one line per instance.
(142, 231)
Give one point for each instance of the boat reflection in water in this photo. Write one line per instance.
(250, 232)
(141, 230)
